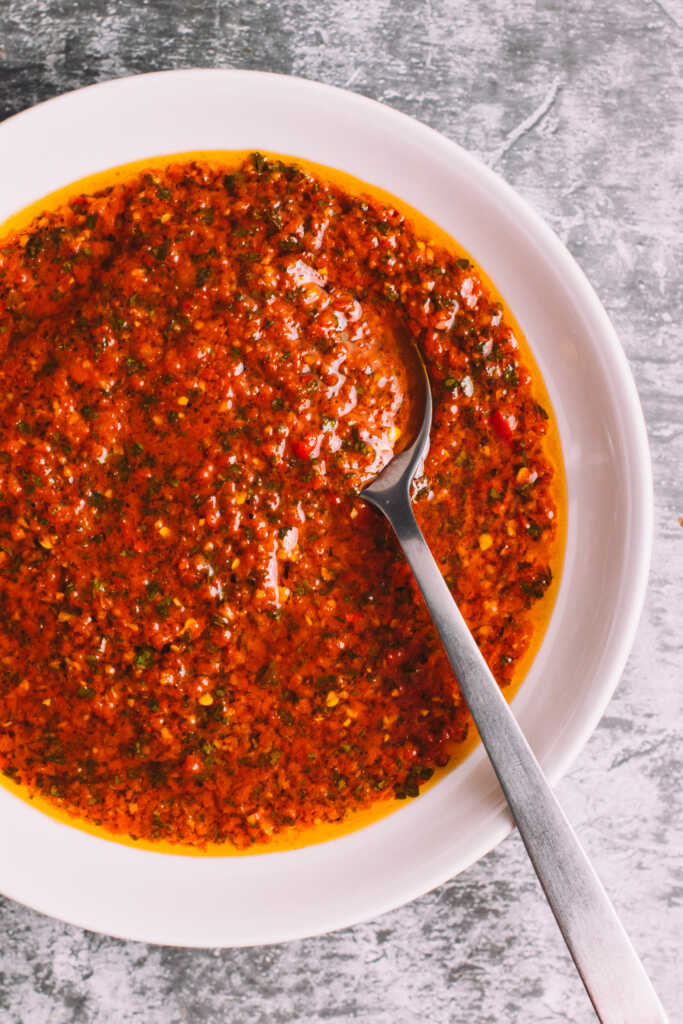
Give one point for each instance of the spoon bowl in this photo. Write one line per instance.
(401, 470)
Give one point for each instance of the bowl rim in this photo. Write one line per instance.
(641, 512)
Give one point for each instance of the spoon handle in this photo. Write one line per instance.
(614, 977)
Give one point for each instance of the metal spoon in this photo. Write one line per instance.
(614, 977)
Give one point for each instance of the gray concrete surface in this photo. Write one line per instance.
(579, 104)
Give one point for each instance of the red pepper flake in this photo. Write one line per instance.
(395, 657)
(504, 425)
(193, 765)
(304, 448)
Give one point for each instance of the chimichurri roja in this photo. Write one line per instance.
(206, 636)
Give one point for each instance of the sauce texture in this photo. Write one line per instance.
(206, 637)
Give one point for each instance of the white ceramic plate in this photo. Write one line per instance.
(194, 901)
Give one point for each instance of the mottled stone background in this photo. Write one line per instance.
(579, 104)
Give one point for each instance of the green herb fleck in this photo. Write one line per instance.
(202, 276)
(144, 657)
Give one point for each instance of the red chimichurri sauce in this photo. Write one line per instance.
(205, 635)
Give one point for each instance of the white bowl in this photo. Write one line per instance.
(227, 901)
